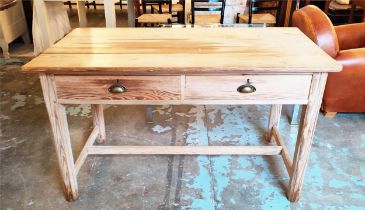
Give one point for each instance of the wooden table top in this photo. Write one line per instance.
(170, 51)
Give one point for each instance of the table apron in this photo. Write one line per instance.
(183, 89)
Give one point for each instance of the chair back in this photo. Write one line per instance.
(137, 8)
(146, 3)
(207, 6)
(254, 6)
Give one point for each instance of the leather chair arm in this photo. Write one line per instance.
(345, 89)
(351, 36)
(353, 58)
(318, 27)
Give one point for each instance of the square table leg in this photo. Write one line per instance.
(61, 135)
(131, 15)
(274, 120)
(305, 136)
(98, 119)
(81, 13)
(110, 18)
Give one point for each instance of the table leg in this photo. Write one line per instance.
(187, 8)
(274, 120)
(81, 13)
(98, 119)
(109, 10)
(305, 136)
(288, 12)
(40, 14)
(61, 136)
(131, 15)
(5, 48)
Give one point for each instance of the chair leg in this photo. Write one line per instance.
(330, 114)
(136, 23)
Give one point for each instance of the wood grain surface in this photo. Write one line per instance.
(61, 137)
(138, 87)
(175, 51)
(305, 136)
(184, 150)
(268, 87)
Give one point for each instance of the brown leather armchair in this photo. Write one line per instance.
(345, 91)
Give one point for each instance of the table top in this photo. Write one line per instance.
(172, 51)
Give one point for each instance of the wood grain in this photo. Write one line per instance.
(138, 87)
(61, 136)
(180, 102)
(184, 150)
(305, 135)
(110, 17)
(142, 51)
(274, 120)
(268, 87)
(83, 154)
(98, 121)
(81, 13)
(284, 153)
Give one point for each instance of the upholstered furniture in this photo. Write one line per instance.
(345, 90)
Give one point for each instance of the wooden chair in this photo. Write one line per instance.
(344, 13)
(149, 19)
(263, 18)
(177, 10)
(151, 3)
(94, 3)
(208, 6)
(354, 6)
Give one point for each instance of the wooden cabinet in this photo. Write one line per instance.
(12, 25)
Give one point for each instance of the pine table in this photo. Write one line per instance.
(156, 66)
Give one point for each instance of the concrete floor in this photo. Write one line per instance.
(30, 179)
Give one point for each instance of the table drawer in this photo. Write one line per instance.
(268, 87)
(137, 87)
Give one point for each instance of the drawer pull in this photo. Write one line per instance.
(117, 87)
(246, 88)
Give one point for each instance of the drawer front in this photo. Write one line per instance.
(268, 87)
(138, 87)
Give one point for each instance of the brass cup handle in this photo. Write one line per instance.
(246, 88)
(117, 87)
